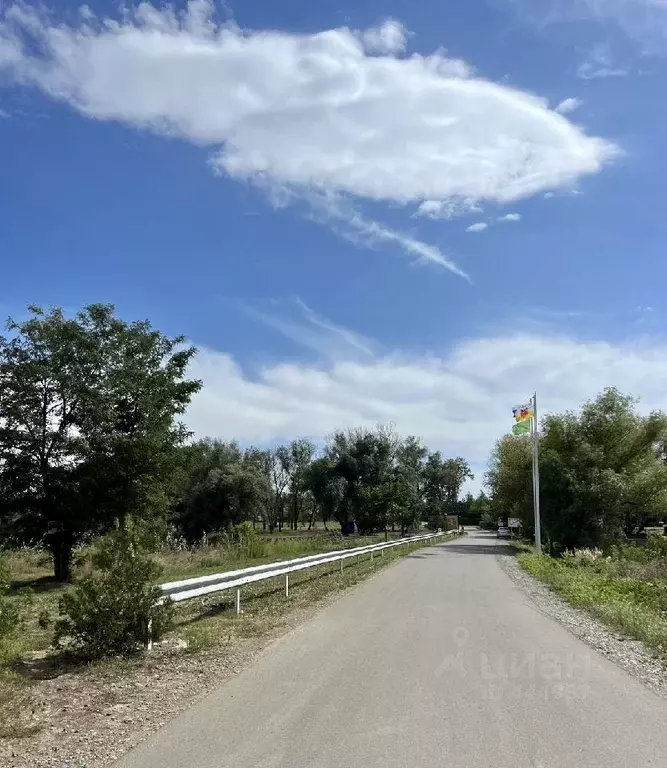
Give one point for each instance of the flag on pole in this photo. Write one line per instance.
(522, 413)
(521, 427)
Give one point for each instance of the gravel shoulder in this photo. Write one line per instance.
(631, 655)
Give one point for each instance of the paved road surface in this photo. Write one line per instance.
(440, 662)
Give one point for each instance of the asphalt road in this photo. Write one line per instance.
(439, 661)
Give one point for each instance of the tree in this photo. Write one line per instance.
(295, 460)
(87, 424)
(509, 478)
(364, 459)
(224, 488)
(601, 472)
(327, 488)
(443, 480)
(406, 501)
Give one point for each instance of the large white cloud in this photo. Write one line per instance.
(459, 402)
(318, 110)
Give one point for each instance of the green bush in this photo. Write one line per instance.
(9, 613)
(109, 612)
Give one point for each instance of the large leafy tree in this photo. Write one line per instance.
(224, 487)
(601, 472)
(88, 428)
(364, 459)
(407, 500)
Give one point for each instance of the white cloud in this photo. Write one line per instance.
(480, 226)
(305, 111)
(387, 38)
(459, 402)
(568, 105)
(447, 209)
(510, 217)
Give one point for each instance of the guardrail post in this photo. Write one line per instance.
(371, 556)
(287, 585)
(341, 567)
(238, 602)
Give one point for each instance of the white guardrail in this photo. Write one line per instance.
(219, 582)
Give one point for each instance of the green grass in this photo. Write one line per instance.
(37, 595)
(201, 624)
(634, 606)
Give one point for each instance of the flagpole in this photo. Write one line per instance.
(536, 477)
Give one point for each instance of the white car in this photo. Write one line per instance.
(504, 533)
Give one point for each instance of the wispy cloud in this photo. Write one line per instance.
(298, 322)
(347, 222)
(568, 105)
(600, 63)
(510, 217)
(480, 226)
(373, 234)
(589, 70)
(642, 22)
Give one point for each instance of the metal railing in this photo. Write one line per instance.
(200, 586)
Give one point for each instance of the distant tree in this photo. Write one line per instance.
(364, 459)
(327, 489)
(509, 478)
(407, 506)
(443, 481)
(225, 487)
(295, 460)
(87, 424)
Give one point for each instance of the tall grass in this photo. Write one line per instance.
(626, 589)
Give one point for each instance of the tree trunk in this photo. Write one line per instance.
(61, 550)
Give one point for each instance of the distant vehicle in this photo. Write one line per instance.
(504, 533)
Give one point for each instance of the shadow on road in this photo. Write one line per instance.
(467, 549)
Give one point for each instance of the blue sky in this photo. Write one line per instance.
(361, 212)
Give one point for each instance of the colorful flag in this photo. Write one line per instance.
(521, 427)
(523, 412)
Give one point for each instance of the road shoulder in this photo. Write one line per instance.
(631, 655)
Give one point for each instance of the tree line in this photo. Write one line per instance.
(90, 434)
(603, 474)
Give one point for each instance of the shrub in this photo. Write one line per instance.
(9, 613)
(110, 611)
(581, 557)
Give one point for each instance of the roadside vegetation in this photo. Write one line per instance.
(603, 492)
(104, 494)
